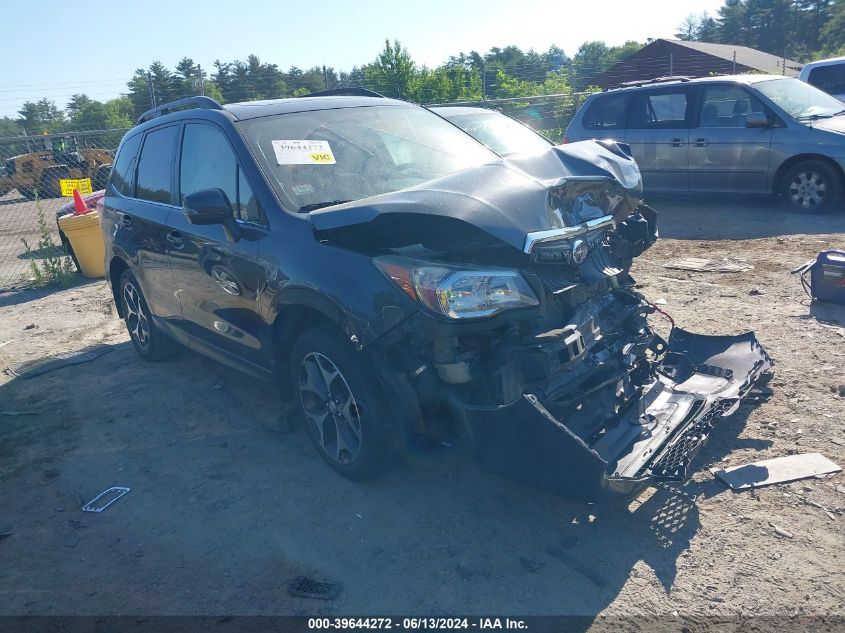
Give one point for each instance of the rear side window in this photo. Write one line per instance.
(831, 78)
(154, 182)
(608, 112)
(123, 174)
(663, 109)
(208, 162)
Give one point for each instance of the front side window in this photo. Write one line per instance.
(155, 165)
(325, 156)
(123, 174)
(727, 106)
(664, 109)
(800, 100)
(608, 112)
(209, 162)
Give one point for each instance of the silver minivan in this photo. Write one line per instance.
(743, 134)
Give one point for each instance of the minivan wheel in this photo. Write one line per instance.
(345, 414)
(149, 341)
(811, 186)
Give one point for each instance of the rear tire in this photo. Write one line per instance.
(811, 187)
(150, 342)
(51, 185)
(345, 412)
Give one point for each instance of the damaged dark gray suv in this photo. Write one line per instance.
(399, 281)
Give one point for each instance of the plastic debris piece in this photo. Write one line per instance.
(105, 499)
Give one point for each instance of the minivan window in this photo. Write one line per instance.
(830, 78)
(199, 171)
(608, 112)
(800, 100)
(727, 106)
(665, 109)
(123, 174)
(155, 165)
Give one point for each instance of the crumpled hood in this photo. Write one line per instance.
(507, 199)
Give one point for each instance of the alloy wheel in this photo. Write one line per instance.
(330, 407)
(808, 189)
(136, 319)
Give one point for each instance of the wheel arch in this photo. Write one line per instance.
(293, 318)
(800, 158)
(117, 266)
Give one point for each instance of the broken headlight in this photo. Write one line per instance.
(458, 293)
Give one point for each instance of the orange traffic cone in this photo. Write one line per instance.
(79, 204)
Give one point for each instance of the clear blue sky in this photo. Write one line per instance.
(52, 50)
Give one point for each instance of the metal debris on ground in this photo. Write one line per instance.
(105, 499)
(303, 587)
(700, 265)
(774, 471)
(32, 368)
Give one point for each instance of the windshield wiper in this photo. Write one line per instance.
(319, 205)
(813, 117)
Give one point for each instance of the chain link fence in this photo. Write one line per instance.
(33, 166)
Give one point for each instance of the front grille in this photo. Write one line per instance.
(557, 308)
(673, 462)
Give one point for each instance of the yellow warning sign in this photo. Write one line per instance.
(69, 184)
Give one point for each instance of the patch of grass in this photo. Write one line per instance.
(48, 262)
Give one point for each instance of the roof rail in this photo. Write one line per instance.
(205, 103)
(656, 80)
(346, 92)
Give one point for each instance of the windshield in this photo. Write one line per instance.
(800, 100)
(324, 157)
(500, 133)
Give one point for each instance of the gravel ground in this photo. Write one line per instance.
(227, 504)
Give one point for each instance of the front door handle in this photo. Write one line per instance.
(176, 240)
(701, 142)
(677, 142)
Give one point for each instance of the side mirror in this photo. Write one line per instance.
(212, 206)
(757, 119)
(209, 206)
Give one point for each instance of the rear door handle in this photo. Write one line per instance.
(176, 239)
(701, 142)
(677, 142)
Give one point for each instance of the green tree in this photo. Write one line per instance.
(391, 72)
(37, 117)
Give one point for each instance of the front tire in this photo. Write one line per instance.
(346, 416)
(150, 342)
(812, 187)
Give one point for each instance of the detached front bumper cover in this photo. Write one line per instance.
(700, 380)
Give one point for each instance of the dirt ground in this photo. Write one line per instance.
(227, 505)
(18, 220)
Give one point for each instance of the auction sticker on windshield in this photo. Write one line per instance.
(303, 153)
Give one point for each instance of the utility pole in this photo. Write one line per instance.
(671, 65)
(484, 82)
(325, 78)
(152, 89)
(734, 72)
(202, 83)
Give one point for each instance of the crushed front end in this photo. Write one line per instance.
(567, 387)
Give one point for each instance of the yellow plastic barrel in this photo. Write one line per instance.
(86, 238)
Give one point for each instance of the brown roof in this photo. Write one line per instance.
(745, 56)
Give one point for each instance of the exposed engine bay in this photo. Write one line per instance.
(570, 388)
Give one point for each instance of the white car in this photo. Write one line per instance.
(827, 75)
